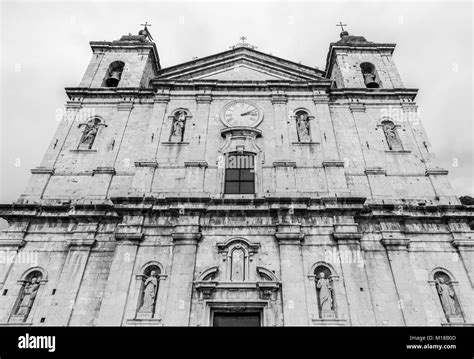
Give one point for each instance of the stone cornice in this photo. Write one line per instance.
(113, 209)
(366, 93)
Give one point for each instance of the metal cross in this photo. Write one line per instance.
(243, 38)
(145, 24)
(341, 25)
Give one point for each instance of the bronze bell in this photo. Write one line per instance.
(369, 80)
(113, 79)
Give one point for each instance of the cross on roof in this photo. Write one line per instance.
(145, 31)
(243, 43)
(341, 25)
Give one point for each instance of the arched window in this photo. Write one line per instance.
(447, 296)
(240, 173)
(91, 128)
(302, 126)
(178, 126)
(149, 289)
(369, 73)
(27, 295)
(325, 292)
(391, 135)
(114, 74)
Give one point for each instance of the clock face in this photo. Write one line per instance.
(241, 113)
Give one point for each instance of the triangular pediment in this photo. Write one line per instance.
(241, 64)
(241, 72)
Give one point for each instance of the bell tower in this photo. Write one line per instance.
(129, 62)
(354, 62)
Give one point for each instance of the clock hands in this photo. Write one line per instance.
(247, 113)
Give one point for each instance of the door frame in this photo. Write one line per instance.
(235, 307)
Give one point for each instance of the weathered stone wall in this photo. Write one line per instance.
(375, 283)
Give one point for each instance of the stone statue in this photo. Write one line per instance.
(325, 294)
(28, 297)
(447, 297)
(391, 136)
(179, 122)
(302, 126)
(90, 132)
(150, 289)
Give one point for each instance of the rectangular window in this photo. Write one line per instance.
(240, 177)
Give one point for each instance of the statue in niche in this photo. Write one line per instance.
(325, 296)
(150, 289)
(302, 126)
(179, 123)
(90, 132)
(391, 135)
(447, 296)
(28, 296)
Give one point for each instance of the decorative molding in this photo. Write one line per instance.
(73, 105)
(401, 152)
(203, 99)
(161, 98)
(277, 98)
(12, 242)
(289, 233)
(436, 172)
(197, 163)
(268, 289)
(42, 170)
(133, 237)
(125, 106)
(320, 99)
(148, 322)
(169, 143)
(375, 171)
(241, 131)
(205, 288)
(357, 107)
(284, 164)
(304, 143)
(395, 243)
(146, 164)
(333, 163)
(84, 150)
(103, 170)
(464, 244)
(80, 244)
(329, 322)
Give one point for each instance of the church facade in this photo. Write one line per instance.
(238, 189)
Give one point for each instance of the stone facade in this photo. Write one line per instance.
(128, 220)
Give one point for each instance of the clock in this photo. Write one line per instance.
(241, 113)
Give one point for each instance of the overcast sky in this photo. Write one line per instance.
(45, 47)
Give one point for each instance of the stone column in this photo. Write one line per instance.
(201, 119)
(463, 240)
(282, 135)
(117, 290)
(410, 300)
(185, 240)
(332, 163)
(72, 272)
(295, 311)
(147, 163)
(12, 240)
(347, 236)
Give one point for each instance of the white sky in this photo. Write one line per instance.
(45, 47)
